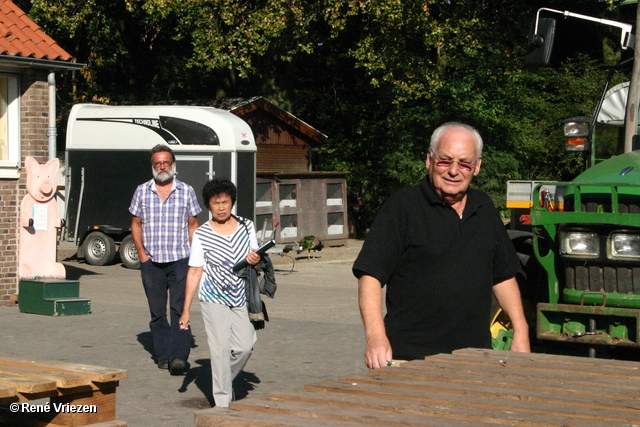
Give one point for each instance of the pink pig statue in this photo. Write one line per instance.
(39, 223)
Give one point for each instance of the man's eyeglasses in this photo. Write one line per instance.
(446, 163)
(157, 165)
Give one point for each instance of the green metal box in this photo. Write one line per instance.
(52, 297)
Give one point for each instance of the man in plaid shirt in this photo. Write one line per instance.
(164, 218)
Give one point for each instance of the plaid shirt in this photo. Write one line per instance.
(165, 232)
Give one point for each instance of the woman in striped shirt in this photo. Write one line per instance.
(216, 247)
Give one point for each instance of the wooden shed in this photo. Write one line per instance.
(303, 203)
(289, 192)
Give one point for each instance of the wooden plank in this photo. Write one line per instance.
(112, 423)
(521, 367)
(500, 378)
(469, 387)
(103, 400)
(8, 419)
(548, 364)
(62, 379)
(543, 358)
(59, 392)
(485, 391)
(420, 393)
(227, 417)
(96, 373)
(7, 391)
(342, 415)
(27, 385)
(448, 410)
(524, 393)
(104, 411)
(429, 370)
(533, 368)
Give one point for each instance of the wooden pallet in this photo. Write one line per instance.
(471, 387)
(89, 389)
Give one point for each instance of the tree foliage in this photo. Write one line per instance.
(377, 76)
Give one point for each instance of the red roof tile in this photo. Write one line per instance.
(20, 36)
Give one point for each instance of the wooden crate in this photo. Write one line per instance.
(70, 386)
(471, 387)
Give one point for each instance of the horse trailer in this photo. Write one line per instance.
(108, 156)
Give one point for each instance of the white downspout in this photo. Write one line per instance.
(52, 132)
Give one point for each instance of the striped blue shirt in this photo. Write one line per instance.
(217, 255)
(165, 231)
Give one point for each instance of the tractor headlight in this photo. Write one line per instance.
(580, 244)
(624, 246)
(576, 127)
(577, 132)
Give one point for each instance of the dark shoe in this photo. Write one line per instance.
(163, 364)
(177, 367)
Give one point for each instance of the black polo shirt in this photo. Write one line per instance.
(439, 269)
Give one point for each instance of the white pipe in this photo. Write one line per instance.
(52, 132)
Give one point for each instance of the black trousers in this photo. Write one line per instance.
(162, 282)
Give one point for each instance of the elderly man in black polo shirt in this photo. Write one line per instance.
(441, 249)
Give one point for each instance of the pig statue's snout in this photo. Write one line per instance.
(46, 187)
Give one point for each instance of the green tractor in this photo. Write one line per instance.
(579, 241)
(590, 252)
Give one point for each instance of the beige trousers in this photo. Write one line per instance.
(231, 337)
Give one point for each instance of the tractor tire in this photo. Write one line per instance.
(129, 253)
(99, 249)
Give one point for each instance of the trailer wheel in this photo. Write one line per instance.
(129, 253)
(99, 249)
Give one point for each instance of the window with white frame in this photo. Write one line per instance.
(9, 126)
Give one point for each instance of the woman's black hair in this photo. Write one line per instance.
(217, 186)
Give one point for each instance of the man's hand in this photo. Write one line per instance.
(377, 352)
(508, 295)
(520, 341)
(143, 257)
(136, 234)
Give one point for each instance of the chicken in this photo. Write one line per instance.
(310, 243)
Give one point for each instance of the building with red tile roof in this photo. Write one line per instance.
(29, 61)
(22, 40)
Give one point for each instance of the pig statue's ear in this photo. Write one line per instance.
(31, 164)
(52, 165)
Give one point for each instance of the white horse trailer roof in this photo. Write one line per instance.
(183, 128)
(614, 106)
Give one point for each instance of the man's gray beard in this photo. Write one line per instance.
(164, 175)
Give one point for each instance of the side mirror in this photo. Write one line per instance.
(540, 43)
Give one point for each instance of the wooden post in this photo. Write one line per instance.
(631, 111)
